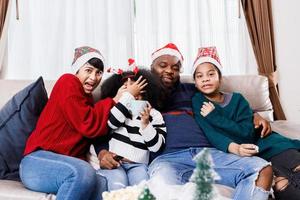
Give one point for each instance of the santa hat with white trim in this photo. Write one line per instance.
(82, 55)
(207, 54)
(170, 49)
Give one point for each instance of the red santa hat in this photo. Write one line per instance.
(207, 54)
(170, 49)
(84, 54)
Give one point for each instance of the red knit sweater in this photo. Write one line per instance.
(69, 120)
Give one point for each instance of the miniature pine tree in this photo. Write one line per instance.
(203, 176)
(146, 195)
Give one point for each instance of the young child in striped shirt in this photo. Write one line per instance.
(133, 135)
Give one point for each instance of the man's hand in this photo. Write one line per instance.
(261, 122)
(206, 108)
(107, 161)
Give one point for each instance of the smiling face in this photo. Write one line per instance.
(89, 77)
(167, 68)
(207, 78)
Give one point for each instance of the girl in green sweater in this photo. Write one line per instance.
(227, 121)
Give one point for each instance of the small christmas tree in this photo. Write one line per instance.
(146, 195)
(203, 176)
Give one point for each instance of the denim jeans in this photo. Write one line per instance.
(234, 171)
(68, 177)
(125, 175)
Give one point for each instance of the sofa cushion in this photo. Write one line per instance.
(255, 89)
(18, 118)
(14, 190)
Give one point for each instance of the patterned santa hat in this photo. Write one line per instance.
(207, 54)
(84, 54)
(170, 49)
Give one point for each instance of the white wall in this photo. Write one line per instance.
(286, 18)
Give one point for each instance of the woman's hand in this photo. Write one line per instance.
(145, 115)
(243, 149)
(121, 90)
(107, 161)
(260, 122)
(206, 108)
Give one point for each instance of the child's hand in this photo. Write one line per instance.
(206, 108)
(248, 149)
(145, 115)
(243, 149)
(136, 87)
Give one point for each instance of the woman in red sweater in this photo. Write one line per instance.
(55, 152)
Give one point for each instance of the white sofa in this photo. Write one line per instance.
(254, 88)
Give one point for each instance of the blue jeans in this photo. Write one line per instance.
(68, 177)
(125, 175)
(234, 171)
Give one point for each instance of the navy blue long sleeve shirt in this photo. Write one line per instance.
(182, 130)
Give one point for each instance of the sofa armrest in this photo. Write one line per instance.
(287, 128)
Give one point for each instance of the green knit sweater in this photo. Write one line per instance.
(233, 122)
